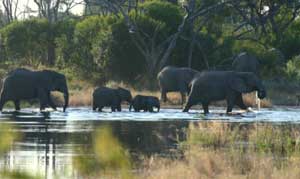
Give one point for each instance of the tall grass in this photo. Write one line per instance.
(219, 150)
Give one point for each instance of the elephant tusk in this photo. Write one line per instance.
(257, 100)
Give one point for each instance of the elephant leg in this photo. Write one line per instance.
(17, 105)
(205, 108)
(188, 105)
(230, 104)
(51, 103)
(239, 102)
(150, 108)
(119, 108)
(2, 102)
(164, 96)
(113, 109)
(182, 97)
(94, 105)
(100, 108)
(42, 95)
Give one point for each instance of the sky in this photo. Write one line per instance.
(23, 3)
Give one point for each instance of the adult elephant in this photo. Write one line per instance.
(104, 96)
(145, 103)
(174, 79)
(219, 85)
(245, 62)
(23, 84)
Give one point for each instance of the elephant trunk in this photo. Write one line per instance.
(261, 93)
(66, 98)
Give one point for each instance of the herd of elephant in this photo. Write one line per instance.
(202, 87)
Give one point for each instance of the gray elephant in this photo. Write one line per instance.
(245, 62)
(24, 84)
(104, 96)
(212, 86)
(173, 79)
(145, 103)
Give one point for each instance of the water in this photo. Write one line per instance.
(50, 139)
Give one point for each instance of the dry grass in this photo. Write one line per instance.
(204, 163)
(250, 100)
(213, 152)
(81, 97)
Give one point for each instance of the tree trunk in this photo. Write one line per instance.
(51, 54)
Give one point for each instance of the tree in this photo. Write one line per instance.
(10, 9)
(264, 18)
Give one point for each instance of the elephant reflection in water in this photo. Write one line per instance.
(146, 137)
(152, 137)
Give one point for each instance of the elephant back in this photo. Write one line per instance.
(245, 62)
(174, 78)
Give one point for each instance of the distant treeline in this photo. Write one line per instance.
(132, 47)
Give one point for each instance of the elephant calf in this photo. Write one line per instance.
(145, 103)
(219, 85)
(104, 96)
(23, 84)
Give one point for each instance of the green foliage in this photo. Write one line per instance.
(290, 42)
(17, 175)
(64, 35)
(125, 62)
(26, 41)
(165, 12)
(92, 39)
(292, 69)
(100, 48)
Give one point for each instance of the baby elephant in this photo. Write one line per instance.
(145, 103)
(103, 96)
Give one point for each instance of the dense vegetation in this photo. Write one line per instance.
(102, 47)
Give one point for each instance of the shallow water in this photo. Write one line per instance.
(50, 139)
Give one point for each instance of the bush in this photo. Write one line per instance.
(26, 41)
(92, 39)
(292, 69)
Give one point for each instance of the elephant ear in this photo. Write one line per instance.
(238, 84)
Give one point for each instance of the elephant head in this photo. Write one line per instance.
(125, 95)
(158, 107)
(245, 82)
(59, 83)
